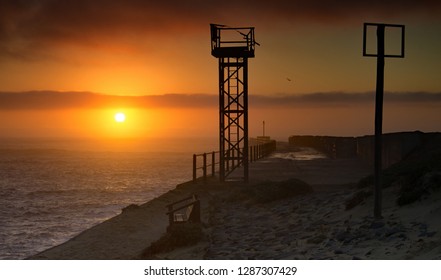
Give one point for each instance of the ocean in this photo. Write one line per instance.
(53, 189)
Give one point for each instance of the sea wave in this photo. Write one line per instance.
(47, 196)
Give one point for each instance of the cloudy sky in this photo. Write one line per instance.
(153, 52)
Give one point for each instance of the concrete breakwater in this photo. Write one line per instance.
(396, 146)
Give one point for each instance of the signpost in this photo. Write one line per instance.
(380, 54)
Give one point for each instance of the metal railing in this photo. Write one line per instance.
(207, 164)
(200, 163)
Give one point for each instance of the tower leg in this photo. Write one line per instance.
(221, 122)
(233, 116)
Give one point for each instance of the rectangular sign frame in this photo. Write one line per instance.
(365, 27)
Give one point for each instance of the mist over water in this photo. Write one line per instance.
(52, 189)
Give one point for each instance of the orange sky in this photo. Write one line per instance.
(134, 48)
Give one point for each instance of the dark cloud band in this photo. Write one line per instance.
(31, 25)
(51, 100)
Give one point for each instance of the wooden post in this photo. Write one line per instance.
(194, 167)
(213, 163)
(204, 167)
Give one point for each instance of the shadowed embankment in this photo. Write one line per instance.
(291, 209)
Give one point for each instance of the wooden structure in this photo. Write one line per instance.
(208, 164)
(184, 210)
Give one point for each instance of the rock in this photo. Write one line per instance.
(380, 232)
(377, 224)
(392, 231)
(287, 240)
(316, 239)
(423, 227)
(344, 236)
(402, 236)
(282, 233)
(331, 243)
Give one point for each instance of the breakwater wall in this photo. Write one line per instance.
(396, 146)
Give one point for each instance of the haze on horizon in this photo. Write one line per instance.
(153, 61)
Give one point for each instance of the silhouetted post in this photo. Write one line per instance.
(381, 54)
(194, 167)
(245, 153)
(204, 168)
(379, 121)
(213, 163)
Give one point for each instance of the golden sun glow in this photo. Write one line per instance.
(120, 117)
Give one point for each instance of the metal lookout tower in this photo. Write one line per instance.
(233, 47)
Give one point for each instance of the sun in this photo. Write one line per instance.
(120, 117)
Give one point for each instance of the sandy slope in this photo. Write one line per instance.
(124, 236)
(312, 226)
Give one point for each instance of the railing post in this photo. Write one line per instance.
(213, 163)
(204, 168)
(194, 167)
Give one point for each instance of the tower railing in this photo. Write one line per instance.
(232, 42)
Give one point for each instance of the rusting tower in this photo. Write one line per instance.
(233, 47)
